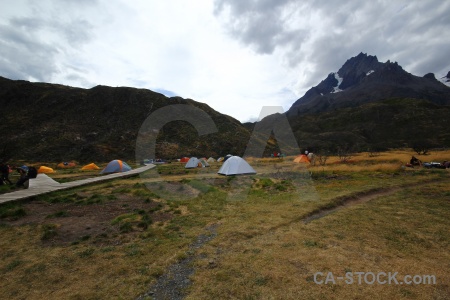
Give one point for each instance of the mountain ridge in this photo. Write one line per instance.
(50, 121)
(365, 103)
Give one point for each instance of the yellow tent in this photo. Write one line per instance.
(301, 159)
(90, 166)
(45, 170)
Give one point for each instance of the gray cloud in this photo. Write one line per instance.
(31, 47)
(23, 57)
(261, 24)
(324, 34)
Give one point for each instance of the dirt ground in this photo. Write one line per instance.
(77, 222)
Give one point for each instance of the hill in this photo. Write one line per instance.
(391, 123)
(42, 121)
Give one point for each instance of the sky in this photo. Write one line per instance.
(235, 55)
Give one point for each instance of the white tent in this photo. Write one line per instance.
(227, 157)
(235, 165)
(211, 160)
(42, 181)
(194, 162)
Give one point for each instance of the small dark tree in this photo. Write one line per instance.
(422, 147)
(345, 152)
(322, 157)
(372, 152)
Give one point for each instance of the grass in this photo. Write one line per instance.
(262, 251)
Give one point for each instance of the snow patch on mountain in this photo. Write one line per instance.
(445, 80)
(336, 89)
(370, 72)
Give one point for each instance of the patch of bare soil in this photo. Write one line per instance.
(76, 222)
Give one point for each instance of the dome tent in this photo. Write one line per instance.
(66, 165)
(227, 157)
(236, 165)
(211, 160)
(204, 162)
(45, 170)
(90, 166)
(301, 159)
(194, 162)
(184, 159)
(116, 166)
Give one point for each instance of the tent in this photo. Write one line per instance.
(194, 162)
(45, 170)
(211, 160)
(220, 159)
(65, 165)
(204, 162)
(90, 166)
(116, 166)
(301, 159)
(184, 159)
(42, 180)
(227, 157)
(236, 165)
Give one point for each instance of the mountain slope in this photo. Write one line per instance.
(53, 122)
(392, 123)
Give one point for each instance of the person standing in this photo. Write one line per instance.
(4, 173)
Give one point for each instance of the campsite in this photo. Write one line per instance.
(252, 236)
(224, 149)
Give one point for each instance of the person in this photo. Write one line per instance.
(415, 161)
(4, 173)
(23, 177)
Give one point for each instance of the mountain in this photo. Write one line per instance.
(446, 79)
(367, 104)
(51, 122)
(363, 79)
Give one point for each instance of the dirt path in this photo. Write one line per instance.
(173, 283)
(362, 197)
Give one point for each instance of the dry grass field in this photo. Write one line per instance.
(116, 239)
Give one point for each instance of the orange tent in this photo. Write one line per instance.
(301, 159)
(45, 170)
(90, 166)
(184, 159)
(65, 165)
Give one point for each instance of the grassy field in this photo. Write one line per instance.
(115, 239)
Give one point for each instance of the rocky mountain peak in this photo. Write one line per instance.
(364, 79)
(356, 68)
(429, 76)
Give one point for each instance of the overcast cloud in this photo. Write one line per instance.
(234, 55)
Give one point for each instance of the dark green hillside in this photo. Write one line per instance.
(385, 124)
(49, 122)
(54, 122)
